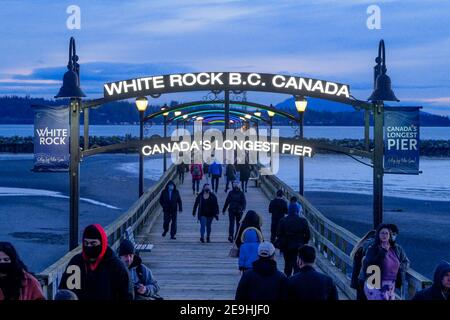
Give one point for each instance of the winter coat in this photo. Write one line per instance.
(245, 171)
(140, 274)
(293, 232)
(108, 281)
(375, 256)
(357, 262)
(278, 208)
(263, 282)
(248, 252)
(206, 207)
(235, 201)
(215, 169)
(436, 291)
(308, 284)
(230, 172)
(31, 289)
(198, 176)
(173, 203)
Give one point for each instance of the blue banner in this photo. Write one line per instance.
(51, 139)
(401, 140)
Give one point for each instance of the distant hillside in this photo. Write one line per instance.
(17, 110)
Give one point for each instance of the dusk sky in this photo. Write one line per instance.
(321, 39)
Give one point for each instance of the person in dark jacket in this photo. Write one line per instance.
(102, 276)
(357, 255)
(263, 282)
(207, 208)
(181, 170)
(278, 208)
(392, 262)
(250, 220)
(215, 169)
(144, 284)
(171, 203)
(308, 284)
(230, 174)
(293, 232)
(236, 203)
(244, 175)
(440, 290)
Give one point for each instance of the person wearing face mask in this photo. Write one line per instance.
(15, 281)
(391, 261)
(102, 275)
(171, 203)
(440, 290)
(236, 204)
(207, 208)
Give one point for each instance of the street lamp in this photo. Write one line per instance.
(185, 116)
(141, 105)
(248, 116)
(382, 92)
(71, 89)
(300, 105)
(177, 114)
(257, 113)
(271, 114)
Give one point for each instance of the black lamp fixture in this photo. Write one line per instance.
(383, 90)
(71, 80)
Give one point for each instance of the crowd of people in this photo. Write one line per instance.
(100, 273)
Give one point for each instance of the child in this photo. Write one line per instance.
(248, 252)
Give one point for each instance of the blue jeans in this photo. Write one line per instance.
(205, 222)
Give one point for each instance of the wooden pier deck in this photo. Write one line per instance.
(185, 268)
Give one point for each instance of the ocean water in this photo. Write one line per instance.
(433, 133)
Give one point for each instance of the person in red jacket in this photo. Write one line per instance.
(197, 175)
(15, 282)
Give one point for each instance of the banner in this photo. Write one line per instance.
(401, 140)
(51, 139)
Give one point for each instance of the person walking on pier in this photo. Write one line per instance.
(145, 285)
(307, 283)
(171, 203)
(250, 220)
(207, 208)
(206, 171)
(197, 176)
(263, 282)
(236, 203)
(278, 208)
(248, 252)
(440, 290)
(181, 170)
(215, 169)
(97, 273)
(293, 232)
(16, 283)
(230, 174)
(357, 255)
(391, 261)
(244, 175)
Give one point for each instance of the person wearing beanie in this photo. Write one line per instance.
(293, 232)
(263, 282)
(278, 208)
(308, 284)
(170, 201)
(97, 273)
(145, 286)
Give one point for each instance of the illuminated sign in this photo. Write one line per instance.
(237, 81)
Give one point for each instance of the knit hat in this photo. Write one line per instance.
(266, 250)
(293, 208)
(126, 247)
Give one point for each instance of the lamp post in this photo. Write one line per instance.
(185, 116)
(141, 105)
(71, 89)
(300, 105)
(271, 114)
(165, 115)
(382, 92)
(177, 114)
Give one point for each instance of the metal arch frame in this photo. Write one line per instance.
(217, 111)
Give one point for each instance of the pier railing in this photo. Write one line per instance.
(142, 213)
(335, 244)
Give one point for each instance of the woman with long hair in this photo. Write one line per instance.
(357, 255)
(15, 281)
(250, 220)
